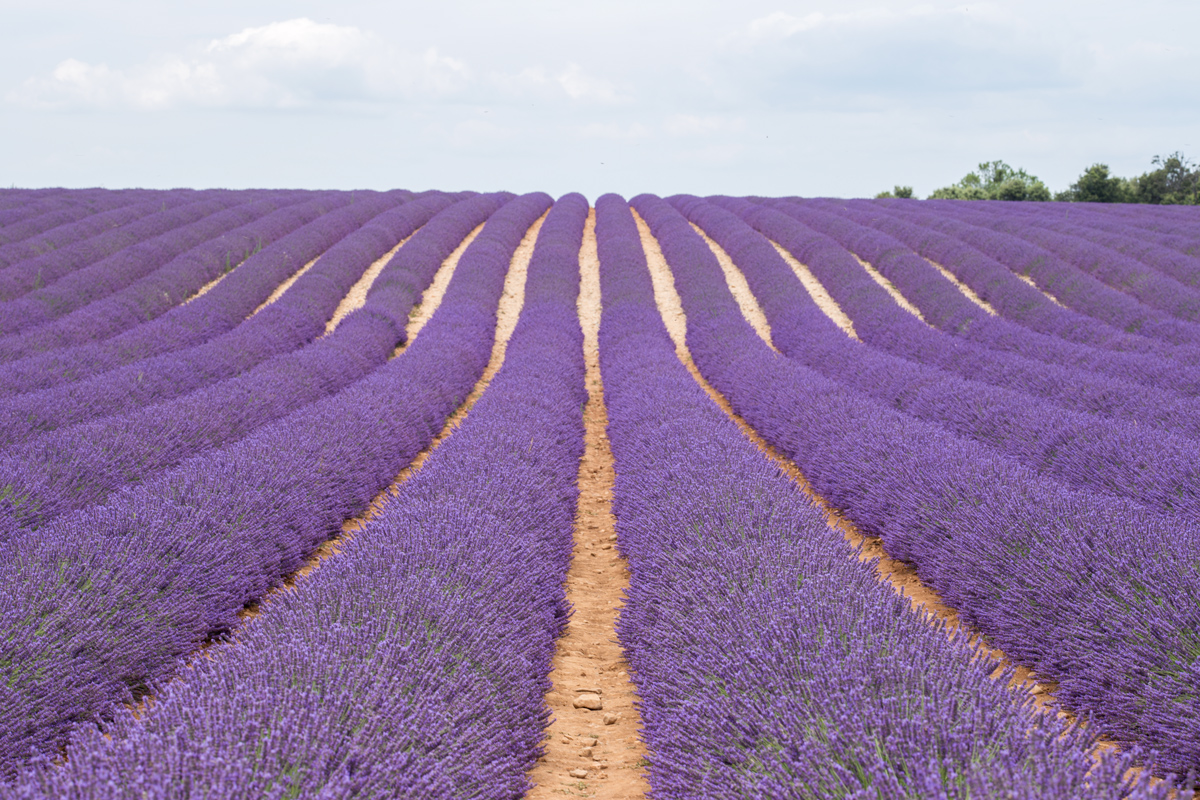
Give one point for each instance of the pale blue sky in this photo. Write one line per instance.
(762, 96)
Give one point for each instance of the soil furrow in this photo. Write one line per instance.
(357, 296)
(283, 287)
(1047, 295)
(817, 292)
(890, 288)
(967, 291)
(592, 752)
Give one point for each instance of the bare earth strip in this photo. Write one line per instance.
(962, 287)
(283, 287)
(206, 288)
(817, 292)
(592, 753)
(1049, 296)
(900, 576)
(356, 298)
(890, 288)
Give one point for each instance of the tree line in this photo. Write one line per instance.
(1174, 180)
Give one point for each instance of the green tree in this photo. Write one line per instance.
(897, 191)
(1175, 182)
(995, 180)
(1096, 185)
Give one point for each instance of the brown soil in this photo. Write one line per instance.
(283, 287)
(356, 298)
(817, 292)
(603, 743)
(1048, 296)
(206, 288)
(432, 298)
(890, 288)
(962, 287)
(740, 288)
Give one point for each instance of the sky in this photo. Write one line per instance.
(762, 97)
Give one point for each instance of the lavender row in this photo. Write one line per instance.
(800, 329)
(267, 345)
(227, 305)
(166, 287)
(60, 227)
(83, 464)
(101, 278)
(1123, 457)
(1127, 260)
(1094, 592)
(104, 602)
(176, 209)
(1118, 272)
(769, 661)
(32, 203)
(1042, 330)
(1068, 284)
(414, 662)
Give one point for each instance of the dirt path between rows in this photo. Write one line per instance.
(816, 291)
(287, 284)
(900, 576)
(592, 753)
(967, 291)
(356, 298)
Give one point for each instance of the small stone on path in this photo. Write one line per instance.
(611, 718)
(579, 773)
(589, 701)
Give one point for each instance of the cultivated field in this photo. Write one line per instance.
(372, 495)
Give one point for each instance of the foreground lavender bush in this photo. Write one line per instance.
(1092, 591)
(104, 602)
(414, 662)
(769, 661)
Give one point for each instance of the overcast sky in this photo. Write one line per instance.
(755, 97)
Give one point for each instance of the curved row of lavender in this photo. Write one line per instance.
(22, 319)
(55, 229)
(104, 602)
(1070, 286)
(285, 326)
(1156, 276)
(1043, 330)
(177, 210)
(168, 286)
(83, 464)
(1094, 592)
(1096, 280)
(769, 661)
(21, 204)
(414, 662)
(880, 323)
(226, 306)
(1122, 457)
(33, 215)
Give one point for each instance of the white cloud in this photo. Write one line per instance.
(291, 64)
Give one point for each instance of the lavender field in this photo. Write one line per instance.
(320, 494)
